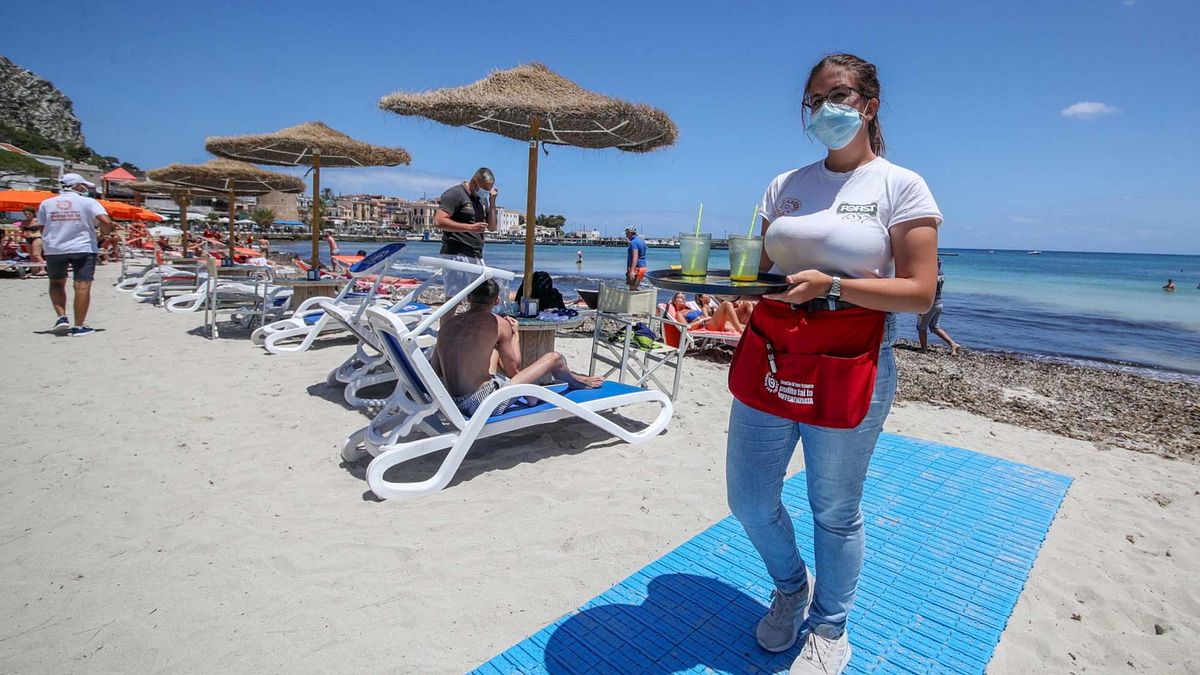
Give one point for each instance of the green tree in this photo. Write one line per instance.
(263, 217)
(556, 222)
(30, 140)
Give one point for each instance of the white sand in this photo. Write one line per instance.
(172, 503)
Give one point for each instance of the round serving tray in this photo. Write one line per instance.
(717, 282)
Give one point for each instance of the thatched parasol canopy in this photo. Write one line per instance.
(295, 146)
(309, 144)
(227, 175)
(505, 101)
(154, 187)
(533, 103)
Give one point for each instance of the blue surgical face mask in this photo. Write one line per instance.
(480, 193)
(835, 124)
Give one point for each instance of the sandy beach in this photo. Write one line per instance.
(177, 504)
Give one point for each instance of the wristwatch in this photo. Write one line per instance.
(835, 292)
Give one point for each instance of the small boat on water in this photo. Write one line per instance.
(1034, 253)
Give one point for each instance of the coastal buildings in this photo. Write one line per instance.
(284, 205)
(508, 222)
(58, 166)
(367, 213)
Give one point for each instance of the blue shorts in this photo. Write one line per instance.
(83, 266)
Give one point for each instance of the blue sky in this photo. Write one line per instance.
(1060, 125)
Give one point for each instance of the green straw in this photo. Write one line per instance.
(753, 217)
(698, 217)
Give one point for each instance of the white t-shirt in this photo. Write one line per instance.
(69, 221)
(838, 223)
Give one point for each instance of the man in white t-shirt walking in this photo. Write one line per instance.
(69, 221)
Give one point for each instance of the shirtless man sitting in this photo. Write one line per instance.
(464, 350)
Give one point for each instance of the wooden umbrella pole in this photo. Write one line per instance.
(315, 216)
(182, 201)
(232, 228)
(531, 205)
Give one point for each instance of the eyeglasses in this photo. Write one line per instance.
(837, 95)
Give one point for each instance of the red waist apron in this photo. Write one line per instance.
(812, 367)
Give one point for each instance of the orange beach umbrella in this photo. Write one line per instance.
(15, 200)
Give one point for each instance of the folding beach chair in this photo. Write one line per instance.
(309, 321)
(615, 343)
(422, 418)
(677, 332)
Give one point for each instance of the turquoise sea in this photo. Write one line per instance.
(1103, 309)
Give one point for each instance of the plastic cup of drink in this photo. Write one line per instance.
(693, 254)
(745, 251)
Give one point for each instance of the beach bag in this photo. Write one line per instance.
(642, 337)
(812, 367)
(547, 295)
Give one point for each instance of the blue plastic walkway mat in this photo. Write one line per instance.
(951, 538)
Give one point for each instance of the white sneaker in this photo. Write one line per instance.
(822, 656)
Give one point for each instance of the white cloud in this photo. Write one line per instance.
(1087, 110)
(1129, 3)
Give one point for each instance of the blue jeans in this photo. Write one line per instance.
(759, 448)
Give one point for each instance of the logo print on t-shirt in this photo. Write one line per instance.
(63, 206)
(858, 212)
(788, 207)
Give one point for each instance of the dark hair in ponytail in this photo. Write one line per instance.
(866, 81)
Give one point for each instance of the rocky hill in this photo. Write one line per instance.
(30, 103)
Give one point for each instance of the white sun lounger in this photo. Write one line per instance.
(367, 367)
(230, 292)
(421, 417)
(308, 321)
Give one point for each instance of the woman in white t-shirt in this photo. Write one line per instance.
(851, 229)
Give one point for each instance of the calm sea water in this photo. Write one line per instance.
(1106, 309)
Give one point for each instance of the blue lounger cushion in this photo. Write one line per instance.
(311, 318)
(606, 390)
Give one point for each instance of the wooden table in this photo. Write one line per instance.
(537, 338)
(303, 289)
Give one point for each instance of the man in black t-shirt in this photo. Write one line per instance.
(464, 213)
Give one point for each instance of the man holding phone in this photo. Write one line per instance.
(464, 213)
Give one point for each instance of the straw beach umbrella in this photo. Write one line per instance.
(230, 178)
(309, 144)
(182, 196)
(532, 103)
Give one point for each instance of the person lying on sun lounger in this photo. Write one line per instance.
(731, 315)
(464, 349)
(688, 313)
